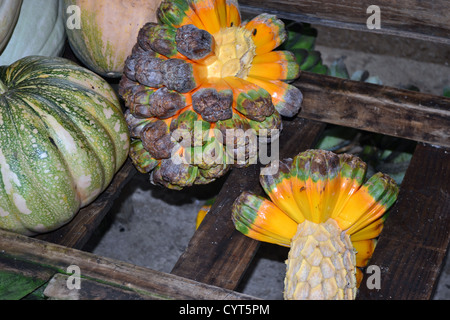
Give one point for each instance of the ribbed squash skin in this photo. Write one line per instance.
(62, 139)
(108, 31)
(39, 31)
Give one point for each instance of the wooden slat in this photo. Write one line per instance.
(400, 113)
(24, 272)
(218, 254)
(57, 289)
(412, 247)
(28, 270)
(424, 20)
(76, 233)
(148, 283)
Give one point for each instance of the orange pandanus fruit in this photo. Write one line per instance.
(321, 207)
(197, 82)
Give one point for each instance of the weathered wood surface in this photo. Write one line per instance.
(76, 233)
(20, 273)
(412, 247)
(57, 289)
(138, 282)
(424, 20)
(218, 254)
(394, 112)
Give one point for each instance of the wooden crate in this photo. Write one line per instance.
(411, 248)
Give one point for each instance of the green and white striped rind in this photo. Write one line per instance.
(107, 31)
(62, 139)
(88, 45)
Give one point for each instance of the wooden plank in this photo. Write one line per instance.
(28, 270)
(412, 247)
(149, 283)
(424, 20)
(57, 289)
(218, 254)
(76, 233)
(394, 112)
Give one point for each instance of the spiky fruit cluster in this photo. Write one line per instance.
(197, 82)
(323, 208)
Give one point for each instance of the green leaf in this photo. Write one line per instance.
(301, 42)
(319, 69)
(336, 137)
(314, 58)
(15, 286)
(301, 55)
(447, 92)
(300, 36)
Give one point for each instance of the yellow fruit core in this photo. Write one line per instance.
(321, 263)
(234, 53)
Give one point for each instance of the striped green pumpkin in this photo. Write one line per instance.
(62, 139)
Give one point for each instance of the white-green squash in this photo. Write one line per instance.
(9, 13)
(39, 30)
(108, 31)
(63, 137)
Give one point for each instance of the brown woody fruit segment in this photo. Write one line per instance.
(127, 88)
(165, 103)
(179, 75)
(144, 36)
(173, 175)
(250, 100)
(255, 105)
(194, 43)
(130, 67)
(268, 130)
(286, 98)
(229, 126)
(148, 71)
(188, 130)
(292, 102)
(156, 139)
(141, 158)
(137, 50)
(212, 173)
(136, 125)
(162, 40)
(212, 105)
(140, 105)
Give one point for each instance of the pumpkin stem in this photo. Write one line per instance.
(3, 87)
